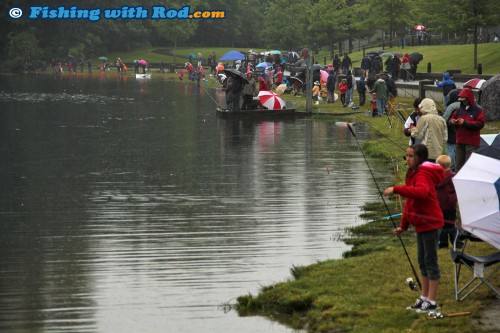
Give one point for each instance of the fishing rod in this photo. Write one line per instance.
(202, 87)
(385, 204)
(401, 117)
(382, 134)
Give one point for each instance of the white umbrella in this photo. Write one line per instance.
(281, 89)
(478, 190)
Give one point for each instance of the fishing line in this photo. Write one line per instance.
(385, 204)
(209, 95)
(382, 134)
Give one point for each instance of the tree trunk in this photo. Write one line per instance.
(475, 46)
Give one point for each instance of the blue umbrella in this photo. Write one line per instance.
(233, 55)
(263, 65)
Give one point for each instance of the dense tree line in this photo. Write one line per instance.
(285, 24)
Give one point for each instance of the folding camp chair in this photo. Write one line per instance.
(476, 264)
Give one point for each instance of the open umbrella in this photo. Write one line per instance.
(222, 77)
(478, 191)
(235, 74)
(293, 56)
(271, 100)
(324, 75)
(264, 65)
(490, 145)
(274, 52)
(294, 80)
(281, 89)
(143, 62)
(419, 27)
(416, 57)
(387, 54)
(474, 83)
(233, 55)
(103, 58)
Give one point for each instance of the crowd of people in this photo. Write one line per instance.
(431, 199)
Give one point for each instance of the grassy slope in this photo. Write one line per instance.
(442, 57)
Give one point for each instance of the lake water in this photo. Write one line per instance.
(128, 206)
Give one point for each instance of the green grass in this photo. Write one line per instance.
(363, 294)
(442, 57)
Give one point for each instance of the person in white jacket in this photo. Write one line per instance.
(431, 129)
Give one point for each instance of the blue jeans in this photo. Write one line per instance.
(450, 151)
(348, 96)
(380, 106)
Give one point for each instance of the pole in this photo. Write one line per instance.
(309, 84)
(385, 204)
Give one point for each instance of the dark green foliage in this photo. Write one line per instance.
(274, 24)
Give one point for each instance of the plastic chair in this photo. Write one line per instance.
(482, 267)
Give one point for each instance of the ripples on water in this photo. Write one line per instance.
(137, 210)
(62, 98)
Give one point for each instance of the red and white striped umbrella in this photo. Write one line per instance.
(419, 27)
(271, 100)
(474, 83)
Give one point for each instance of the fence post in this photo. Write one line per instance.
(429, 67)
(479, 69)
(421, 87)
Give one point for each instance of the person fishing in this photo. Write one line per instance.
(422, 210)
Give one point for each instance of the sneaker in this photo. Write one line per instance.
(427, 307)
(417, 305)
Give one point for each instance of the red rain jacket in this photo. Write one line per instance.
(474, 119)
(422, 206)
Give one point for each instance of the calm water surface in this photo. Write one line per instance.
(129, 206)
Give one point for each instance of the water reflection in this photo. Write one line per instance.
(128, 206)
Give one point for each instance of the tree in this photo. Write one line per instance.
(22, 48)
(330, 20)
(285, 24)
(390, 15)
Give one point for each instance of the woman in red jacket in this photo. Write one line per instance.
(423, 212)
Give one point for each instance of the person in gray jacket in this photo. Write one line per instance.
(431, 129)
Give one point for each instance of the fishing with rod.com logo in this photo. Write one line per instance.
(123, 13)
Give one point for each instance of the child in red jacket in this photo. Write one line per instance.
(373, 101)
(343, 90)
(423, 212)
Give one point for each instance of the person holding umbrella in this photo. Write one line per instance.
(236, 90)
